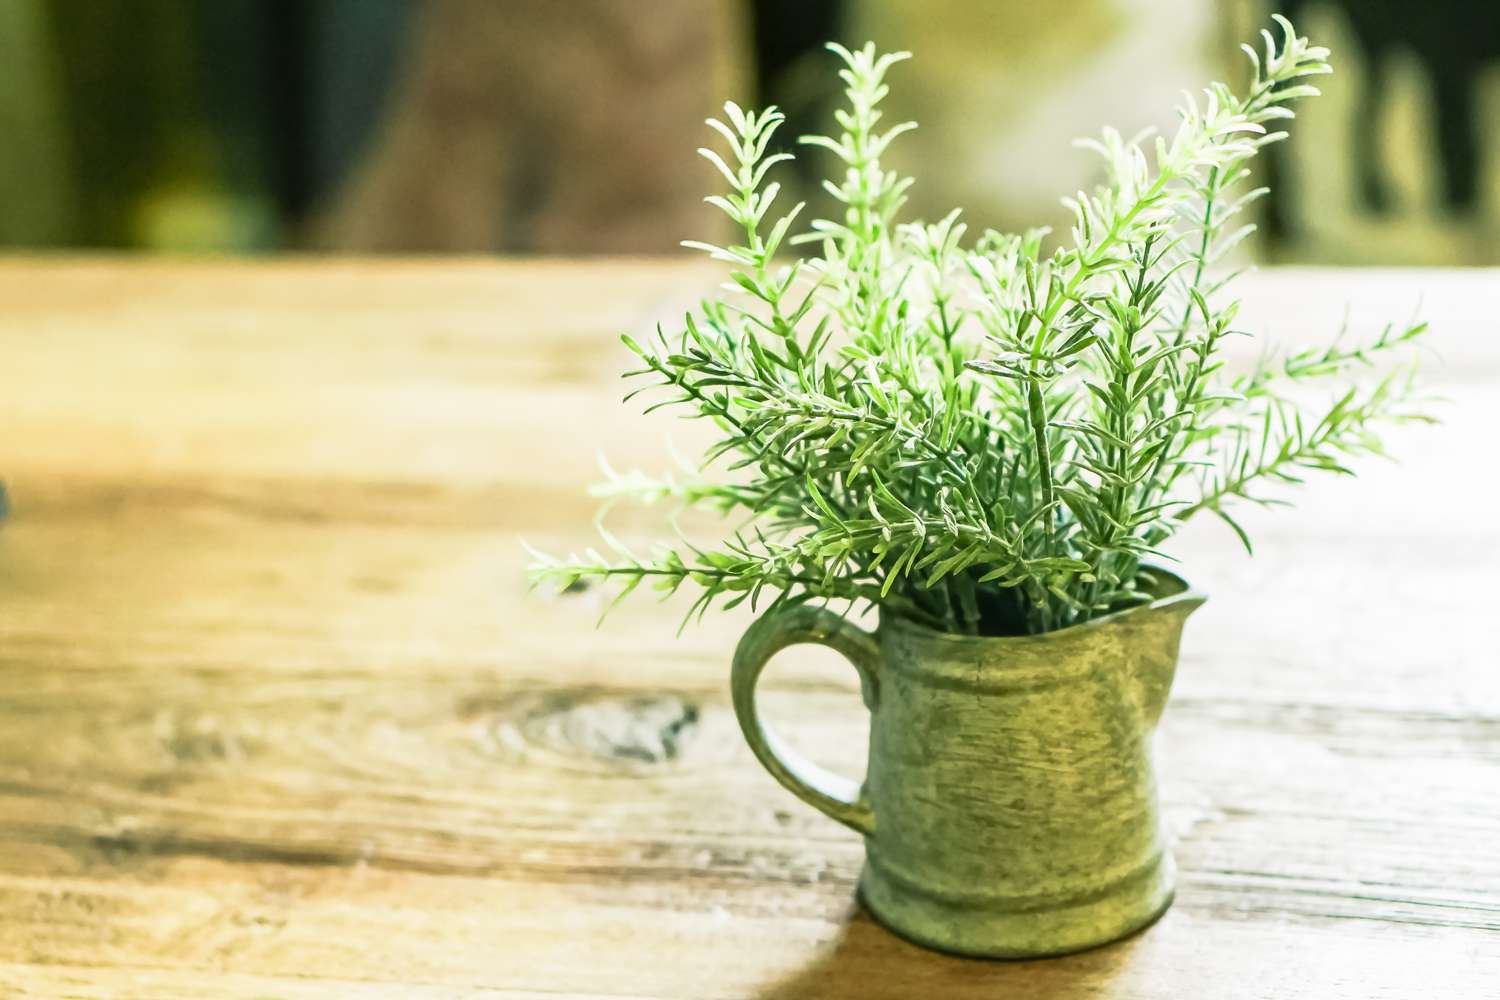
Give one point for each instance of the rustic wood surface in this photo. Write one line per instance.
(280, 719)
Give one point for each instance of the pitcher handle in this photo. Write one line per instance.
(836, 796)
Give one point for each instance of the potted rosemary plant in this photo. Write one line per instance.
(989, 442)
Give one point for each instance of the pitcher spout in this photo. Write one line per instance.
(1157, 629)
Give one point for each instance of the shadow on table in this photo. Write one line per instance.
(868, 962)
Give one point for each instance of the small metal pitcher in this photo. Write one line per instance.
(1009, 808)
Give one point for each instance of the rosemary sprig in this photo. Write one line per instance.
(993, 437)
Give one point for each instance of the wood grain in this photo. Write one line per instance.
(279, 718)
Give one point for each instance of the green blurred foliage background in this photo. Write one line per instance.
(540, 126)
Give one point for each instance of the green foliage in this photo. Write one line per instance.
(986, 437)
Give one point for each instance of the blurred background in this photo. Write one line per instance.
(568, 126)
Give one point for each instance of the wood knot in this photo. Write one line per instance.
(200, 739)
(599, 729)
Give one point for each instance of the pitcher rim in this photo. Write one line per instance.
(1180, 593)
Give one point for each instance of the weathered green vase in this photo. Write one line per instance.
(1009, 809)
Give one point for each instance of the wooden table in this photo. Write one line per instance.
(280, 719)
